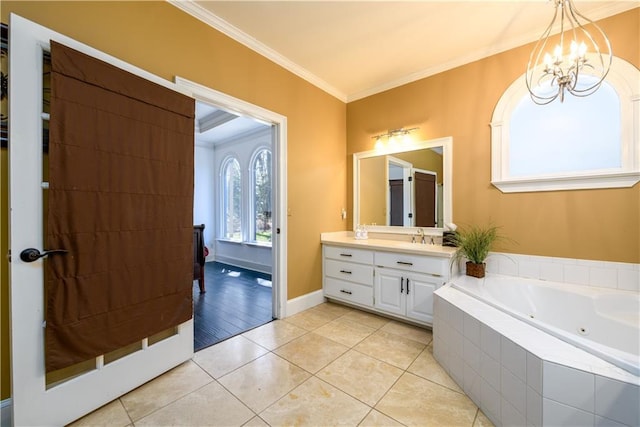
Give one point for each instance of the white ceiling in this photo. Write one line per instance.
(353, 49)
(214, 126)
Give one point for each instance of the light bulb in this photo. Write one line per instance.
(582, 50)
(557, 53)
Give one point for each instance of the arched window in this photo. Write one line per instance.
(590, 142)
(231, 200)
(261, 203)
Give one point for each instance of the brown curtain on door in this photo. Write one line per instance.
(121, 203)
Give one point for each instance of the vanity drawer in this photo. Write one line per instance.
(348, 291)
(349, 271)
(362, 256)
(420, 264)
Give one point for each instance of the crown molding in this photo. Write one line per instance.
(194, 9)
(602, 12)
(206, 16)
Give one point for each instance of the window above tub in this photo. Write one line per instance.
(582, 143)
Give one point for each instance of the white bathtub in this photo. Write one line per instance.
(537, 353)
(603, 322)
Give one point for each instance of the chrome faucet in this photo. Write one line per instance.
(421, 234)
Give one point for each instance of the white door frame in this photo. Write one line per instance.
(279, 122)
(33, 403)
(407, 190)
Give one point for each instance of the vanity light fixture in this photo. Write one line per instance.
(392, 136)
(579, 62)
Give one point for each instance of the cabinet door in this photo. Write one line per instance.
(419, 295)
(389, 290)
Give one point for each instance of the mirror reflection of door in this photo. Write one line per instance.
(399, 192)
(425, 198)
(396, 213)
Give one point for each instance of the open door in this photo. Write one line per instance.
(425, 199)
(38, 397)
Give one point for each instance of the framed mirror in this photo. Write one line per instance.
(403, 188)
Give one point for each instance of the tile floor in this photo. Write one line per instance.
(330, 365)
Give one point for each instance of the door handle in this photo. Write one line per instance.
(32, 254)
(401, 284)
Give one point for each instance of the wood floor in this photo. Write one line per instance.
(236, 301)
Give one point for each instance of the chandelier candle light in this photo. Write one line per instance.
(577, 66)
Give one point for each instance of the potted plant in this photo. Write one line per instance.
(474, 243)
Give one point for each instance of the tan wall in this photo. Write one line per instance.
(586, 224)
(424, 159)
(165, 41)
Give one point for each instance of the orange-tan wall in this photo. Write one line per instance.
(423, 159)
(585, 224)
(167, 42)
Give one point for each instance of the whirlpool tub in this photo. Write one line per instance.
(532, 352)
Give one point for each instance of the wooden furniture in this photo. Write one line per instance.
(198, 256)
(394, 278)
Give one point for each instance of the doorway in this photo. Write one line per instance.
(233, 198)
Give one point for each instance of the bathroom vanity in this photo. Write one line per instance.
(393, 277)
(396, 270)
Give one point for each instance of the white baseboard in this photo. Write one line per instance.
(304, 302)
(5, 413)
(261, 268)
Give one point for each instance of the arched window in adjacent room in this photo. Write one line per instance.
(231, 199)
(261, 225)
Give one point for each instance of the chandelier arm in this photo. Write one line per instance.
(604, 65)
(539, 49)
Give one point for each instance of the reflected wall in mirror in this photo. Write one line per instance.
(402, 188)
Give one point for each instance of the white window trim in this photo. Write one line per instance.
(625, 79)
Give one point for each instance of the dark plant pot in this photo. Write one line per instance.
(475, 270)
(449, 238)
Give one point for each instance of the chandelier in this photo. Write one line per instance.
(579, 62)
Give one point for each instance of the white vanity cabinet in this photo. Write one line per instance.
(348, 275)
(397, 283)
(404, 284)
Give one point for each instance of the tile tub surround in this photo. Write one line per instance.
(604, 274)
(518, 375)
(329, 365)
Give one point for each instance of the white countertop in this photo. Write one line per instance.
(345, 238)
